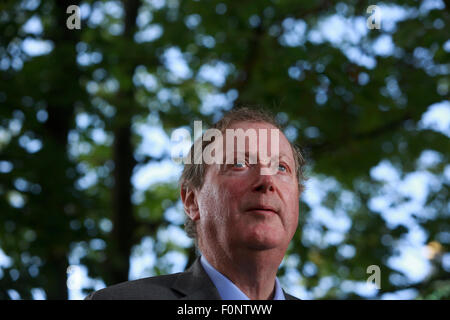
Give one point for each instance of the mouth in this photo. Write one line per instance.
(262, 210)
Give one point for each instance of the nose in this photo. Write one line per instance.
(263, 184)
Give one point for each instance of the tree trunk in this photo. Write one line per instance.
(60, 116)
(124, 162)
(123, 220)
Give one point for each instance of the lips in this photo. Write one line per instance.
(263, 209)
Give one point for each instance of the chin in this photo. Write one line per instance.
(263, 241)
(260, 235)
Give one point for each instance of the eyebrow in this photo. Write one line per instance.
(282, 155)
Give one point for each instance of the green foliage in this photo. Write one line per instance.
(62, 114)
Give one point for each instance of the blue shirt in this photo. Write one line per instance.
(227, 289)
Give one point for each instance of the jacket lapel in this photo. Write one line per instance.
(287, 296)
(195, 284)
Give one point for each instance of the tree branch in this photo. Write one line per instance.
(330, 146)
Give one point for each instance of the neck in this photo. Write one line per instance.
(252, 272)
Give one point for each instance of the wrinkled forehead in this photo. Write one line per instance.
(256, 137)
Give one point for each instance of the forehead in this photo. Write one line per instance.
(284, 145)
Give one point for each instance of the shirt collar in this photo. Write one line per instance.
(227, 289)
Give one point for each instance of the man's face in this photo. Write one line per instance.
(238, 207)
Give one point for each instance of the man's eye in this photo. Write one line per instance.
(239, 165)
(282, 168)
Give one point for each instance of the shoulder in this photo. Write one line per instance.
(155, 288)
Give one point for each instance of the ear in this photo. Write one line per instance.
(189, 198)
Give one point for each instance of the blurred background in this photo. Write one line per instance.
(88, 189)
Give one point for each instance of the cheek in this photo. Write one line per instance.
(207, 202)
(292, 204)
(295, 215)
(213, 204)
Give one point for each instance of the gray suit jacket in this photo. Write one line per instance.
(193, 284)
